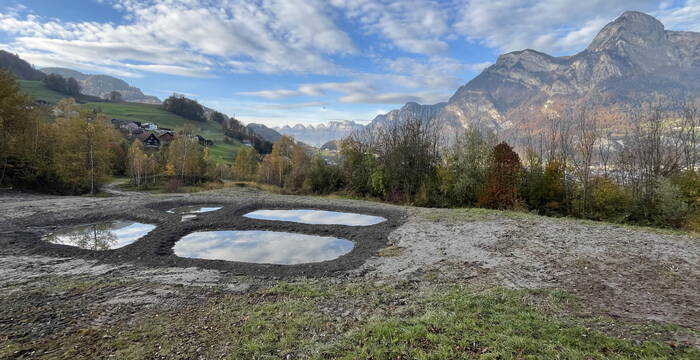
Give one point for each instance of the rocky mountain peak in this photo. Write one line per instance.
(631, 28)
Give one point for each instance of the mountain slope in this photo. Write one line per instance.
(102, 85)
(631, 60)
(265, 132)
(20, 68)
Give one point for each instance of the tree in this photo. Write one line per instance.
(19, 126)
(137, 159)
(467, 165)
(503, 179)
(187, 108)
(56, 82)
(245, 165)
(218, 117)
(185, 156)
(115, 97)
(72, 87)
(83, 153)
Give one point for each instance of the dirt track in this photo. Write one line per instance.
(631, 274)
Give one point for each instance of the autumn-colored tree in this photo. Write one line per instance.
(278, 163)
(245, 166)
(185, 157)
(503, 179)
(83, 152)
(136, 162)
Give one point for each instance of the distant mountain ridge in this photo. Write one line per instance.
(102, 85)
(631, 60)
(322, 133)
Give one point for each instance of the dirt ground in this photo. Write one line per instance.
(632, 274)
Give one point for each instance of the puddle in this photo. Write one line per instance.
(316, 217)
(196, 209)
(101, 236)
(265, 247)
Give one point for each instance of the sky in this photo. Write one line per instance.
(282, 62)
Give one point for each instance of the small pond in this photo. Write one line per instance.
(196, 209)
(316, 217)
(101, 236)
(265, 247)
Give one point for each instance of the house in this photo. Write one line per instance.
(149, 140)
(204, 142)
(149, 126)
(166, 138)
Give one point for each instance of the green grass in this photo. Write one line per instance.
(37, 90)
(396, 321)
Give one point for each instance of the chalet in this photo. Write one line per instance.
(204, 142)
(166, 138)
(150, 140)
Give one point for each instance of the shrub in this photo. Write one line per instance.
(173, 185)
(609, 201)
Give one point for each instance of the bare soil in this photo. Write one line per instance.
(635, 275)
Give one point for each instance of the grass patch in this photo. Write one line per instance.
(38, 91)
(309, 319)
(390, 251)
(495, 325)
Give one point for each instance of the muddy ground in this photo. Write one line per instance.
(634, 275)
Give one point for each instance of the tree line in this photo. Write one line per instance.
(646, 173)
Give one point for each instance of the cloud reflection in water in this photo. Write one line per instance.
(316, 217)
(266, 247)
(101, 236)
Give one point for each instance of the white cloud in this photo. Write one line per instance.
(553, 26)
(243, 35)
(686, 17)
(415, 26)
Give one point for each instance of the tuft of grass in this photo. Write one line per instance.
(390, 251)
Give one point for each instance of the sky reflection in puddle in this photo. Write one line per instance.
(316, 217)
(265, 247)
(101, 236)
(196, 209)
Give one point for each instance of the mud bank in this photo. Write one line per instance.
(23, 236)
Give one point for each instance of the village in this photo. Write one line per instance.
(150, 134)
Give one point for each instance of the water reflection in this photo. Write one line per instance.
(101, 236)
(316, 217)
(196, 209)
(267, 247)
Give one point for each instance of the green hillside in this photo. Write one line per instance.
(37, 90)
(221, 151)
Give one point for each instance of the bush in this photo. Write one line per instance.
(173, 185)
(609, 201)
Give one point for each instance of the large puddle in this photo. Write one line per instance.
(316, 217)
(101, 236)
(265, 247)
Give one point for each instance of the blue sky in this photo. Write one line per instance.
(306, 61)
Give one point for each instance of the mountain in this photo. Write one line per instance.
(20, 68)
(102, 85)
(631, 60)
(265, 132)
(320, 134)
